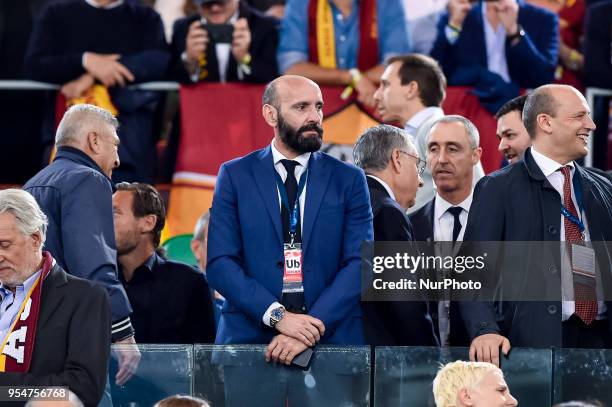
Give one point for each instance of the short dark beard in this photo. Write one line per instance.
(295, 139)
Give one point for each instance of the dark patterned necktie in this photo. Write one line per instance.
(586, 308)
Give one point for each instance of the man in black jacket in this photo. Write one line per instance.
(393, 171)
(56, 327)
(248, 55)
(547, 197)
(172, 301)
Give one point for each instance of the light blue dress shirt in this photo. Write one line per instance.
(392, 33)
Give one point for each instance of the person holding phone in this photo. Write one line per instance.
(227, 41)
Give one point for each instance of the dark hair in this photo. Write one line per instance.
(182, 401)
(515, 105)
(426, 72)
(540, 101)
(147, 201)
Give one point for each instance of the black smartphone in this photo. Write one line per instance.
(303, 360)
(219, 33)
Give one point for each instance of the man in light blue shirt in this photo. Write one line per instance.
(295, 55)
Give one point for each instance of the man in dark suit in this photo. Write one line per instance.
(393, 171)
(172, 302)
(55, 327)
(452, 152)
(546, 197)
(249, 57)
(493, 44)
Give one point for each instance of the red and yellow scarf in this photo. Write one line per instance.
(18, 345)
(321, 40)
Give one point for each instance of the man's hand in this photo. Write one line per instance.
(304, 328)
(457, 10)
(196, 42)
(485, 348)
(77, 87)
(106, 69)
(283, 349)
(507, 11)
(365, 91)
(241, 40)
(128, 358)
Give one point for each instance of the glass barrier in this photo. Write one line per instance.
(164, 370)
(404, 375)
(582, 374)
(239, 376)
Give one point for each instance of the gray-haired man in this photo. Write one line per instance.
(55, 327)
(452, 153)
(393, 171)
(75, 192)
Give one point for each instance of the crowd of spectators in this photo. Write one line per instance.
(496, 47)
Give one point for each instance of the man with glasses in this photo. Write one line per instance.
(393, 171)
(452, 153)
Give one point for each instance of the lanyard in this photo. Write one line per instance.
(295, 213)
(574, 219)
(577, 186)
(23, 304)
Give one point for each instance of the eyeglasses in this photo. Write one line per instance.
(420, 164)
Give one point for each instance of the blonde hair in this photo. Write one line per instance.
(457, 375)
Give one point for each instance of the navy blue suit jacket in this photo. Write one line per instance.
(517, 203)
(531, 62)
(245, 246)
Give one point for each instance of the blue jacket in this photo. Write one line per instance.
(76, 196)
(245, 246)
(531, 62)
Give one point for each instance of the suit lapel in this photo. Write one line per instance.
(429, 214)
(319, 175)
(263, 172)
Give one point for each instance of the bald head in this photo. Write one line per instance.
(79, 120)
(275, 89)
(546, 100)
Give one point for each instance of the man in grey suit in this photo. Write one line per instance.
(411, 91)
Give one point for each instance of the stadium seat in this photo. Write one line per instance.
(178, 249)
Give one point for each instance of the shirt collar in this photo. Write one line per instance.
(114, 4)
(26, 286)
(421, 117)
(277, 156)
(385, 185)
(546, 164)
(442, 205)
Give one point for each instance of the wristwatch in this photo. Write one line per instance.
(517, 35)
(276, 315)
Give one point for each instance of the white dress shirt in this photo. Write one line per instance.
(384, 184)
(277, 156)
(444, 221)
(550, 169)
(443, 232)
